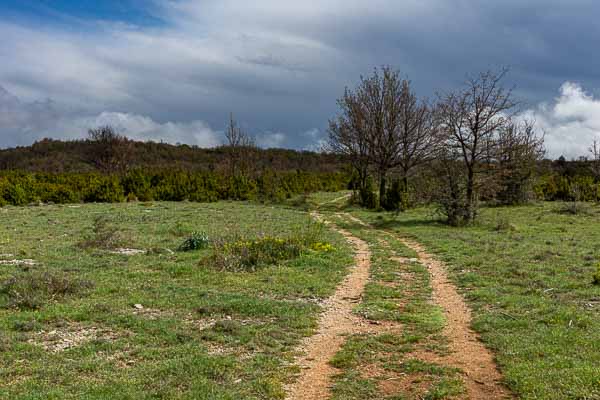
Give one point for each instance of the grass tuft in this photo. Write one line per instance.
(251, 255)
(596, 277)
(504, 225)
(105, 235)
(576, 208)
(31, 290)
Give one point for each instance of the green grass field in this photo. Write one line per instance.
(527, 273)
(202, 333)
(78, 320)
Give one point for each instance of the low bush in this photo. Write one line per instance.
(396, 197)
(367, 197)
(575, 208)
(322, 247)
(504, 225)
(250, 255)
(197, 241)
(105, 236)
(555, 187)
(32, 289)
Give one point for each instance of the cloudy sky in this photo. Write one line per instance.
(173, 70)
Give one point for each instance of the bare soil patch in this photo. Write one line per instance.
(69, 336)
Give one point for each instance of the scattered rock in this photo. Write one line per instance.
(128, 252)
(26, 261)
(150, 313)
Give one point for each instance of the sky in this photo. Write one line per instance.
(173, 70)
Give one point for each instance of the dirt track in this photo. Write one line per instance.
(480, 374)
(336, 321)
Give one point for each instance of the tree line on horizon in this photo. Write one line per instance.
(109, 167)
(394, 149)
(468, 145)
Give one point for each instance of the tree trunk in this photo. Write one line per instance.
(382, 183)
(363, 179)
(470, 196)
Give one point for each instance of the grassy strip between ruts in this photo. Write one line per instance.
(156, 323)
(527, 272)
(400, 362)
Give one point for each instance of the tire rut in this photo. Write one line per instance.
(482, 378)
(336, 322)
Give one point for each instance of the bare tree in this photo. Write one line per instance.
(383, 126)
(417, 133)
(241, 147)
(348, 136)
(381, 96)
(518, 150)
(472, 118)
(595, 161)
(112, 152)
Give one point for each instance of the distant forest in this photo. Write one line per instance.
(56, 156)
(80, 156)
(108, 167)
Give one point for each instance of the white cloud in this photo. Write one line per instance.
(270, 140)
(22, 123)
(143, 128)
(313, 134)
(571, 121)
(316, 140)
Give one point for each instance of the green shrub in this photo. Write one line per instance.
(596, 277)
(14, 194)
(367, 196)
(197, 241)
(20, 188)
(57, 193)
(250, 255)
(32, 289)
(396, 197)
(138, 184)
(107, 190)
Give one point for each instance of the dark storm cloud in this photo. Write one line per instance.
(279, 66)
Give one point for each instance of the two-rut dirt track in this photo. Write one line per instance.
(479, 372)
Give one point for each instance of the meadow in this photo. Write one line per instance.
(95, 322)
(528, 274)
(137, 300)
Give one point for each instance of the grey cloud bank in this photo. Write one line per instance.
(22, 123)
(279, 66)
